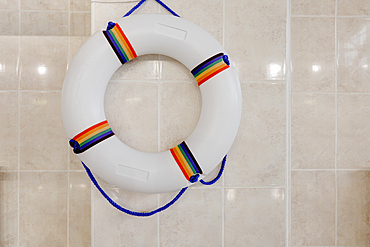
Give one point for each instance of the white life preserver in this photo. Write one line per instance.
(83, 103)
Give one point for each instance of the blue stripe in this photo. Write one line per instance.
(206, 64)
(189, 157)
(92, 142)
(116, 46)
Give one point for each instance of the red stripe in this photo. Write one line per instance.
(128, 42)
(213, 74)
(179, 164)
(87, 130)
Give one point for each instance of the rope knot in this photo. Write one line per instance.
(74, 144)
(194, 178)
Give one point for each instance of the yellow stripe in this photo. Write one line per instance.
(92, 133)
(209, 71)
(122, 43)
(185, 164)
(126, 45)
(93, 130)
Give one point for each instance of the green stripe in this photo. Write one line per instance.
(119, 45)
(209, 66)
(93, 137)
(187, 159)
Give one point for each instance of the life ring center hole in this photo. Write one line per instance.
(152, 103)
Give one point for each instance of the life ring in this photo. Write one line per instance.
(83, 103)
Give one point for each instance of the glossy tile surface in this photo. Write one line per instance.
(199, 215)
(353, 55)
(48, 23)
(353, 208)
(312, 208)
(43, 142)
(313, 131)
(8, 212)
(57, 5)
(80, 5)
(9, 54)
(254, 217)
(79, 209)
(8, 131)
(80, 24)
(255, 38)
(353, 131)
(43, 208)
(132, 112)
(313, 7)
(313, 54)
(43, 62)
(257, 155)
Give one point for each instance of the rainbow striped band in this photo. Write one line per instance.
(210, 67)
(119, 43)
(185, 160)
(90, 137)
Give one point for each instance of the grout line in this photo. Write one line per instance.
(92, 195)
(43, 11)
(288, 127)
(336, 123)
(331, 16)
(19, 122)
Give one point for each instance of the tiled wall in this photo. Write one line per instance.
(298, 173)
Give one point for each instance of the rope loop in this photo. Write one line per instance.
(158, 1)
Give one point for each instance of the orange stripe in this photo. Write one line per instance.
(122, 43)
(179, 164)
(89, 129)
(127, 41)
(92, 133)
(183, 161)
(210, 71)
(211, 75)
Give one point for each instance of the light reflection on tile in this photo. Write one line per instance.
(9, 54)
(353, 55)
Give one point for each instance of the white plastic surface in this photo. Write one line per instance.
(83, 103)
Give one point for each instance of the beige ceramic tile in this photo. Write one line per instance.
(43, 208)
(313, 54)
(8, 209)
(312, 208)
(255, 217)
(75, 42)
(8, 131)
(79, 210)
(43, 62)
(44, 23)
(74, 161)
(180, 107)
(313, 7)
(9, 23)
(80, 24)
(353, 131)
(141, 68)
(57, 5)
(257, 157)
(353, 208)
(114, 228)
(9, 5)
(9, 55)
(173, 70)
(353, 54)
(195, 220)
(312, 131)
(353, 7)
(106, 11)
(255, 38)
(206, 14)
(80, 5)
(132, 111)
(43, 140)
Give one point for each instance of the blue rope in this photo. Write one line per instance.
(158, 1)
(140, 214)
(146, 214)
(218, 175)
